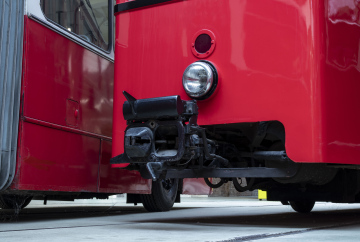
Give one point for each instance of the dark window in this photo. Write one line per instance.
(89, 19)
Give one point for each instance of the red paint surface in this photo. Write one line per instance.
(60, 70)
(341, 82)
(295, 61)
(57, 160)
(66, 119)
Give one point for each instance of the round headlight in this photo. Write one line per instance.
(200, 80)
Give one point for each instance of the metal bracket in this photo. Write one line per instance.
(258, 172)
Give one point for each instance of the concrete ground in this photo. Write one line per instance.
(195, 219)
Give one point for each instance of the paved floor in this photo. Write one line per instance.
(195, 219)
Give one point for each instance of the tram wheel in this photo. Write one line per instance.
(9, 201)
(163, 195)
(302, 206)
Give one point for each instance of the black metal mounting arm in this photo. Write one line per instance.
(257, 172)
(151, 167)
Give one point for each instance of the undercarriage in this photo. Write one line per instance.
(163, 141)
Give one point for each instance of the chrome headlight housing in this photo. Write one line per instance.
(200, 80)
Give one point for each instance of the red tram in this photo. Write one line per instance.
(56, 105)
(259, 91)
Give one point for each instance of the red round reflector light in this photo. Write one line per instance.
(203, 43)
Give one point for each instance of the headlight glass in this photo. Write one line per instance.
(199, 79)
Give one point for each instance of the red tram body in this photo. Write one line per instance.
(56, 140)
(288, 79)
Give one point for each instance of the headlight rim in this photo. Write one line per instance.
(213, 86)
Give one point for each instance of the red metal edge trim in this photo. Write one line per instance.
(64, 128)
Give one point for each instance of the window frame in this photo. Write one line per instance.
(34, 12)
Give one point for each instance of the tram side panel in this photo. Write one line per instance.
(66, 118)
(57, 81)
(340, 83)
